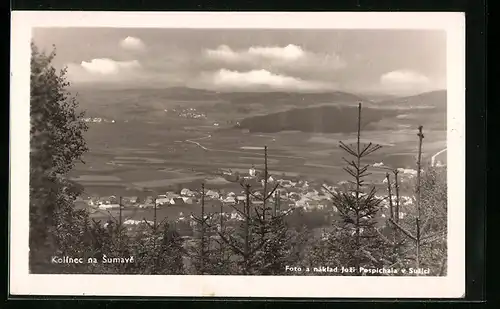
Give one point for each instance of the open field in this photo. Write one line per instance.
(137, 155)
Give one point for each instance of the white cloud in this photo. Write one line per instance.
(107, 66)
(289, 53)
(404, 77)
(103, 69)
(260, 79)
(287, 57)
(404, 82)
(224, 53)
(132, 43)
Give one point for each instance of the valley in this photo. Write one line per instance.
(145, 149)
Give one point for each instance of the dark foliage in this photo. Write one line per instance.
(56, 143)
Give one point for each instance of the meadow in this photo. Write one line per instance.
(124, 161)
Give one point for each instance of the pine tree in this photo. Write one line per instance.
(434, 204)
(242, 240)
(427, 229)
(157, 251)
(56, 144)
(202, 257)
(101, 240)
(390, 235)
(357, 207)
(262, 242)
(219, 254)
(277, 248)
(170, 252)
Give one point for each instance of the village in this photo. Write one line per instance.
(289, 194)
(98, 120)
(190, 113)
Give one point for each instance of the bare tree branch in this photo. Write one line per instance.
(402, 229)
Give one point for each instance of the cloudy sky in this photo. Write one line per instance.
(361, 61)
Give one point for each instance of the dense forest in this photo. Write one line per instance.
(265, 239)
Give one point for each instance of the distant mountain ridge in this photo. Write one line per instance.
(237, 97)
(425, 108)
(268, 111)
(319, 119)
(435, 99)
(292, 98)
(113, 102)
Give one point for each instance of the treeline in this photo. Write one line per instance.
(261, 242)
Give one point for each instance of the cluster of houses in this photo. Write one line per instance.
(185, 197)
(289, 194)
(97, 120)
(190, 113)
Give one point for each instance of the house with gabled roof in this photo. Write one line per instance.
(163, 200)
(187, 192)
(177, 201)
(212, 194)
(109, 206)
(229, 200)
(130, 199)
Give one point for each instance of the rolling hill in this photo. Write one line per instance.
(427, 109)
(291, 98)
(434, 99)
(148, 104)
(327, 112)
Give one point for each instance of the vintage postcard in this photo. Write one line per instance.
(238, 154)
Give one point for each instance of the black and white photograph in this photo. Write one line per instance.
(223, 150)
